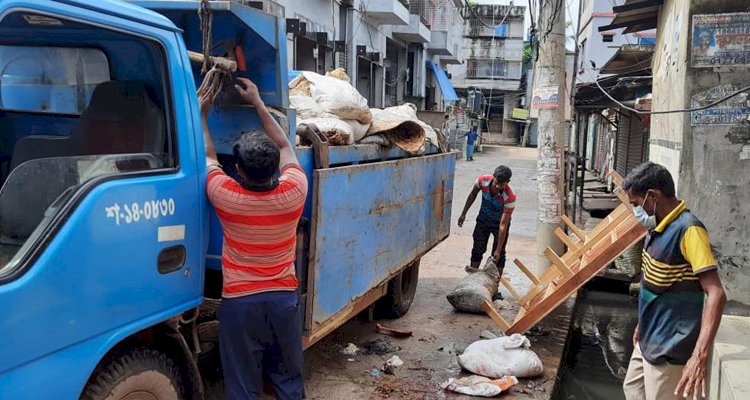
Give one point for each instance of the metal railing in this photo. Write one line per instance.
(420, 7)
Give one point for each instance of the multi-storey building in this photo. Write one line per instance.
(492, 48)
(393, 50)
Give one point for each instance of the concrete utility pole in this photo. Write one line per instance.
(549, 97)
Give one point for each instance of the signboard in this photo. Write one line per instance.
(545, 98)
(721, 39)
(730, 112)
(520, 113)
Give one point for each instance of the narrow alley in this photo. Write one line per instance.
(440, 333)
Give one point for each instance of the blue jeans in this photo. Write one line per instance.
(261, 333)
(469, 151)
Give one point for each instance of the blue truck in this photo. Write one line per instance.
(109, 250)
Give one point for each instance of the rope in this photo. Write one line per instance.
(216, 77)
(206, 18)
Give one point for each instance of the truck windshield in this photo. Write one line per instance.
(35, 191)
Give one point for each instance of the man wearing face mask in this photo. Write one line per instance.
(681, 297)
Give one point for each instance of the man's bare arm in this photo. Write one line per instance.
(251, 95)
(694, 374)
(502, 233)
(469, 201)
(211, 157)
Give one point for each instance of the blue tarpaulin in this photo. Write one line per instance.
(501, 30)
(449, 94)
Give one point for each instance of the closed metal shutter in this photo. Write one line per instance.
(631, 142)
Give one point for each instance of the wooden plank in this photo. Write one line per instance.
(573, 228)
(616, 178)
(511, 289)
(623, 197)
(604, 224)
(570, 256)
(558, 262)
(527, 271)
(489, 309)
(566, 239)
(631, 233)
(520, 314)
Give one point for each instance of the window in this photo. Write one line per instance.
(582, 61)
(608, 38)
(486, 68)
(67, 118)
(56, 80)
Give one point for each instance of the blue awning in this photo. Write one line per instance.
(446, 87)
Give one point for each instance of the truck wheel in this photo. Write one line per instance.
(143, 374)
(400, 295)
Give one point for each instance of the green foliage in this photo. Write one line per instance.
(527, 53)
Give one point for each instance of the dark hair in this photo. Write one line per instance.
(257, 155)
(502, 174)
(649, 176)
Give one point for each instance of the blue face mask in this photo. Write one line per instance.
(648, 221)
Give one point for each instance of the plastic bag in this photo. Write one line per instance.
(476, 385)
(507, 355)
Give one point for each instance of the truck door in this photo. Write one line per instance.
(102, 208)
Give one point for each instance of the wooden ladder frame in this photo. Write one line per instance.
(586, 255)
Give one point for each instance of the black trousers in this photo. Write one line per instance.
(261, 334)
(482, 232)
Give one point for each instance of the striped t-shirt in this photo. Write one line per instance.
(670, 306)
(494, 206)
(260, 231)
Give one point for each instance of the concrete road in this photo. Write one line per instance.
(430, 355)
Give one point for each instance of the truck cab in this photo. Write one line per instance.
(109, 250)
(103, 221)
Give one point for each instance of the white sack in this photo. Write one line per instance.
(306, 107)
(507, 355)
(335, 96)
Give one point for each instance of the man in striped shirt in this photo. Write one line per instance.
(261, 328)
(681, 298)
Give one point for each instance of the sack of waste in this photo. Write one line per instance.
(307, 108)
(333, 95)
(496, 358)
(476, 385)
(476, 288)
(338, 132)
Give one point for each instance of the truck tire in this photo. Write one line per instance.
(141, 374)
(400, 295)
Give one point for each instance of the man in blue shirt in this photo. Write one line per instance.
(471, 138)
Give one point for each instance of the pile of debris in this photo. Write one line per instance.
(340, 112)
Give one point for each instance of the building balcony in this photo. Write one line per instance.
(387, 12)
(454, 57)
(415, 32)
(438, 44)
